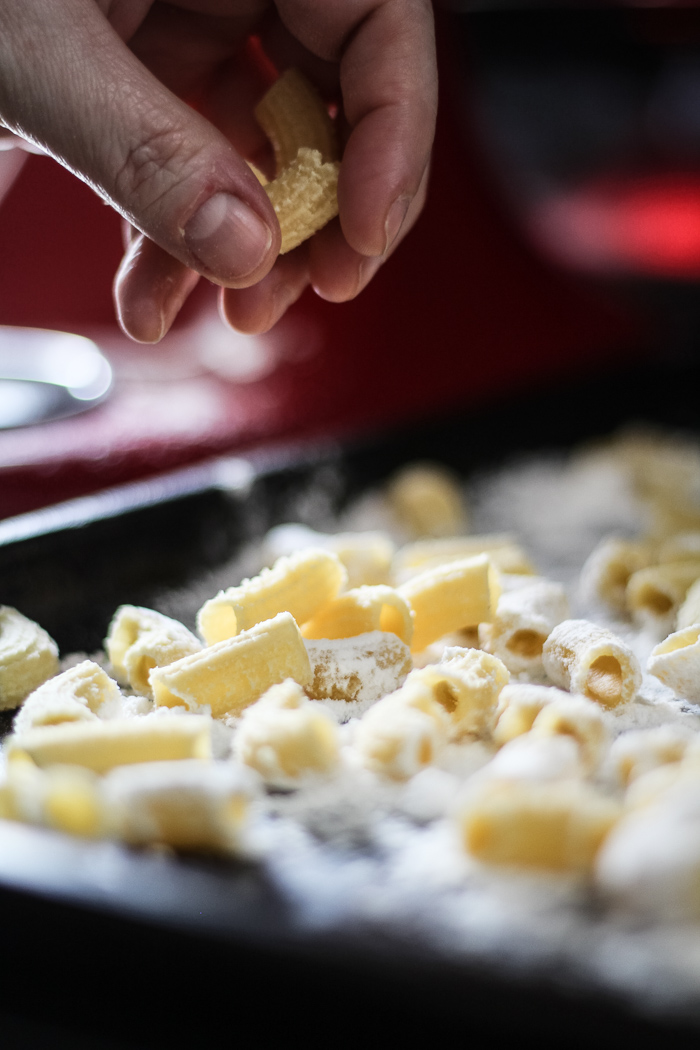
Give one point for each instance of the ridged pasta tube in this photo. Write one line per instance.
(285, 736)
(519, 704)
(64, 797)
(427, 500)
(524, 620)
(72, 696)
(292, 114)
(28, 656)
(676, 662)
(578, 718)
(505, 553)
(656, 593)
(360, 611)
(229, 675)
(403, 733)
(190, 804)
(300, 584)
(101, 745)
(528, 824)
(587, 659)
(637, 752)
(360, 669)
(367, 556)
(450, 597)
(140, 639)
(304, 196)
(607, 570)
(467, 683)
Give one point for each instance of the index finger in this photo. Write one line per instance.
(388, 79)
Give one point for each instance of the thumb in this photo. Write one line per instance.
(68, 83)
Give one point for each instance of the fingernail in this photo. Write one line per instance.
(227, 238)
(395, 220)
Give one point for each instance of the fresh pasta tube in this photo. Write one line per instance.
(527, 824)
(530, 757)
(28, 656)
(229, 675)
(140, 639)
(657, 593)
(64, 797)
(367, 556)
(467, 682)
(524, 620)
(305, 197)
(587, 659)
(684, 546)
(505, 553)
(427, 500)
(403, 733)
(357, 670)
(292, 114)
(360, 611)
(636, 753)
(451, 597)
(676, 662)
(285, 736)
(689, 612)
(72, 696)
(300, 584)
(578, 718)
(190, 804)
(519, 704)
(101, 745)
(606, 571)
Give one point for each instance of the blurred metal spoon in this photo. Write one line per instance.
(48, 375)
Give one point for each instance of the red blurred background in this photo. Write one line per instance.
(466, 309)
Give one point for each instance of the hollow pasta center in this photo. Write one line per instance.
(655, 601)
(604, 682)
(526, 643)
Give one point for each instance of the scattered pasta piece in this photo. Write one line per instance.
(587, 659)
(190, 804)
(655, 594)
(285, 736)
(228, 676)
(506, 555)
(637, 752)
(578, 718)
(360, 611)
(361, 669)
(689, 612)
(140, 639)
(676, 662)
(428, 501)
(451, 597)
(607, 570)
(75, 695)
(519, 704)
(404, 732)
(103, 745)
(28, 656)
(300, 584)
(523, 622)
(528, 824)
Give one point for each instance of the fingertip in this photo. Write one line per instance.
(255, 310)
(149, 290)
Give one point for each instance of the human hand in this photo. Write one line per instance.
(104, 85)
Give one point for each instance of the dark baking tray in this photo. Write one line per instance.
(107, 947)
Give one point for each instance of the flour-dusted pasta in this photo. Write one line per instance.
(654, 595)
(285, 736)
(591, 660)
(140, 639)
(607, 570)
(579, 718)
(637, 752)
(689, 612)
(361, 610)
(229, 675)
(427, 499)
(505, 553)
(300, 584)
(519, 704)
(445, 599)
(404, 732)
(676, 662)
(28, 656)
(524, 619)
(72, 696)
(357, 670)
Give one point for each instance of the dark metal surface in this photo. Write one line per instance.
(126, 948)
